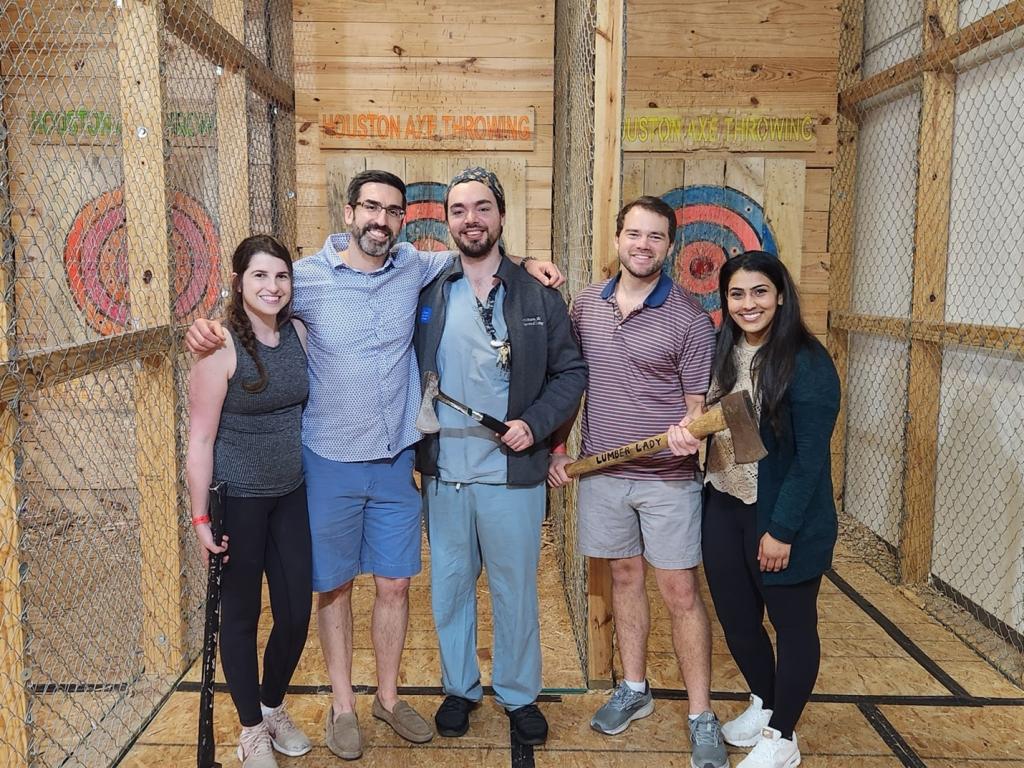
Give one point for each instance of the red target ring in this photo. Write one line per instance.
(96, 260)
(714, 224)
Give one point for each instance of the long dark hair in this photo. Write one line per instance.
(237, 317)
(775, 360)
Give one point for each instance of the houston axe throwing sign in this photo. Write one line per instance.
(465, 130)
(87, 125)
(680, 130)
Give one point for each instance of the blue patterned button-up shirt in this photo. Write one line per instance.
(364, 388)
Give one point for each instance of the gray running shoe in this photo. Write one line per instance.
(706, 740)
(624, 706)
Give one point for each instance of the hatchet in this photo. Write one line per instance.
(734, 412)
(426, 420)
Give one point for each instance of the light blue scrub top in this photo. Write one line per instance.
(468, 367)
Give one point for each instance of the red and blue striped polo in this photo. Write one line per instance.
(640, 368)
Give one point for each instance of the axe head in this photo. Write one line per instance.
(739, 414)
(426, 419)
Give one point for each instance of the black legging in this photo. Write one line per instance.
(265, 535)
(729, 542)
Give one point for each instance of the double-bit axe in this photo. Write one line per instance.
(426, 420)
(734, 412)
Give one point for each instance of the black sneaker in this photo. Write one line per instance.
(452, 718)
(528, 725)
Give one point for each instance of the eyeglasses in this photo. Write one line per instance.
(372, 207)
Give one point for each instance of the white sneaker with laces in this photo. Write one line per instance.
(772, 751)
(285, 734)
(254, 750)
(745, 730)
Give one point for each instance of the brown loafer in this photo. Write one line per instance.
(405, 721)
(343, 736)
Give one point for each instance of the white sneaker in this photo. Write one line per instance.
(772, 751)
(745, 730)
(254, 748)
(285, 736)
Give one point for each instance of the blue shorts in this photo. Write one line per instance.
(364, 517)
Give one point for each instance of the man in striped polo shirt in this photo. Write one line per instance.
(649, 348)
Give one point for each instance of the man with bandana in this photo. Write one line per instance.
(501, 343)
(357, 297)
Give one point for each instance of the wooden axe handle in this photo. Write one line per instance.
(709, 422)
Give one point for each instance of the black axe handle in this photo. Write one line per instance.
(488, 421)
(207, 751)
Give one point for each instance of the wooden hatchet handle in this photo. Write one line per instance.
(708, 423)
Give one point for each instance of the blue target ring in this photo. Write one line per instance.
(425, 226)
(713, 225)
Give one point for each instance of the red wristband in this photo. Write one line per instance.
(560, 448)
(200, 520)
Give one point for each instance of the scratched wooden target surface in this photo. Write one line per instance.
(724, 206)
(96, 260)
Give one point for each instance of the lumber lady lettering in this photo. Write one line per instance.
(245, 410)
(769, 531)
(628, 450)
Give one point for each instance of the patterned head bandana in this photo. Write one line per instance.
(486, 178)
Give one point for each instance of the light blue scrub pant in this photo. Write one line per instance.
(474, 524)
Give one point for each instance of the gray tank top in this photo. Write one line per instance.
(258, 450)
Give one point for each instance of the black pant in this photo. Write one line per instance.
(268, 535)
(730, 541)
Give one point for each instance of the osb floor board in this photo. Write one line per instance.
(420, 666)
(876, 704)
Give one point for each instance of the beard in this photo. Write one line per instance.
(477, 248)
(653, 268)
(368, 245)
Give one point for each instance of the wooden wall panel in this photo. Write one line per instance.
(408, 55)
(754, 57)
(726, 28)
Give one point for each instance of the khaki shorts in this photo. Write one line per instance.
(659, 519)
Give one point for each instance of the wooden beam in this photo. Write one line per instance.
(606, 194)
(199, 30)
(44, 369)
(149, 284)
(232, 144)
(992, 337)
(931, 246)
(283, 175)
(282, 59)
(609, 45)
(13, 701)
(875, 325)
(996, 338)
(840, 234)
(935, 57)
(600, 650)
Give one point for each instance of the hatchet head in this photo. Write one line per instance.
(426, 419)
(738, 410)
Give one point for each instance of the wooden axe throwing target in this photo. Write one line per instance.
(714, 224)
(425, 226)
(96, 260)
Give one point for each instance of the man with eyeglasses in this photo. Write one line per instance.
(357, 297)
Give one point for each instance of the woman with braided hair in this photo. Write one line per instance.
(245, 410)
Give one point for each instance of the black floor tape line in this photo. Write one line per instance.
(891, 736)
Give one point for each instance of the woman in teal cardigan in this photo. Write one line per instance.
(769, 528)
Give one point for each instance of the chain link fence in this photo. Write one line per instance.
(138, 143)
(927, 307)
(571, 228)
